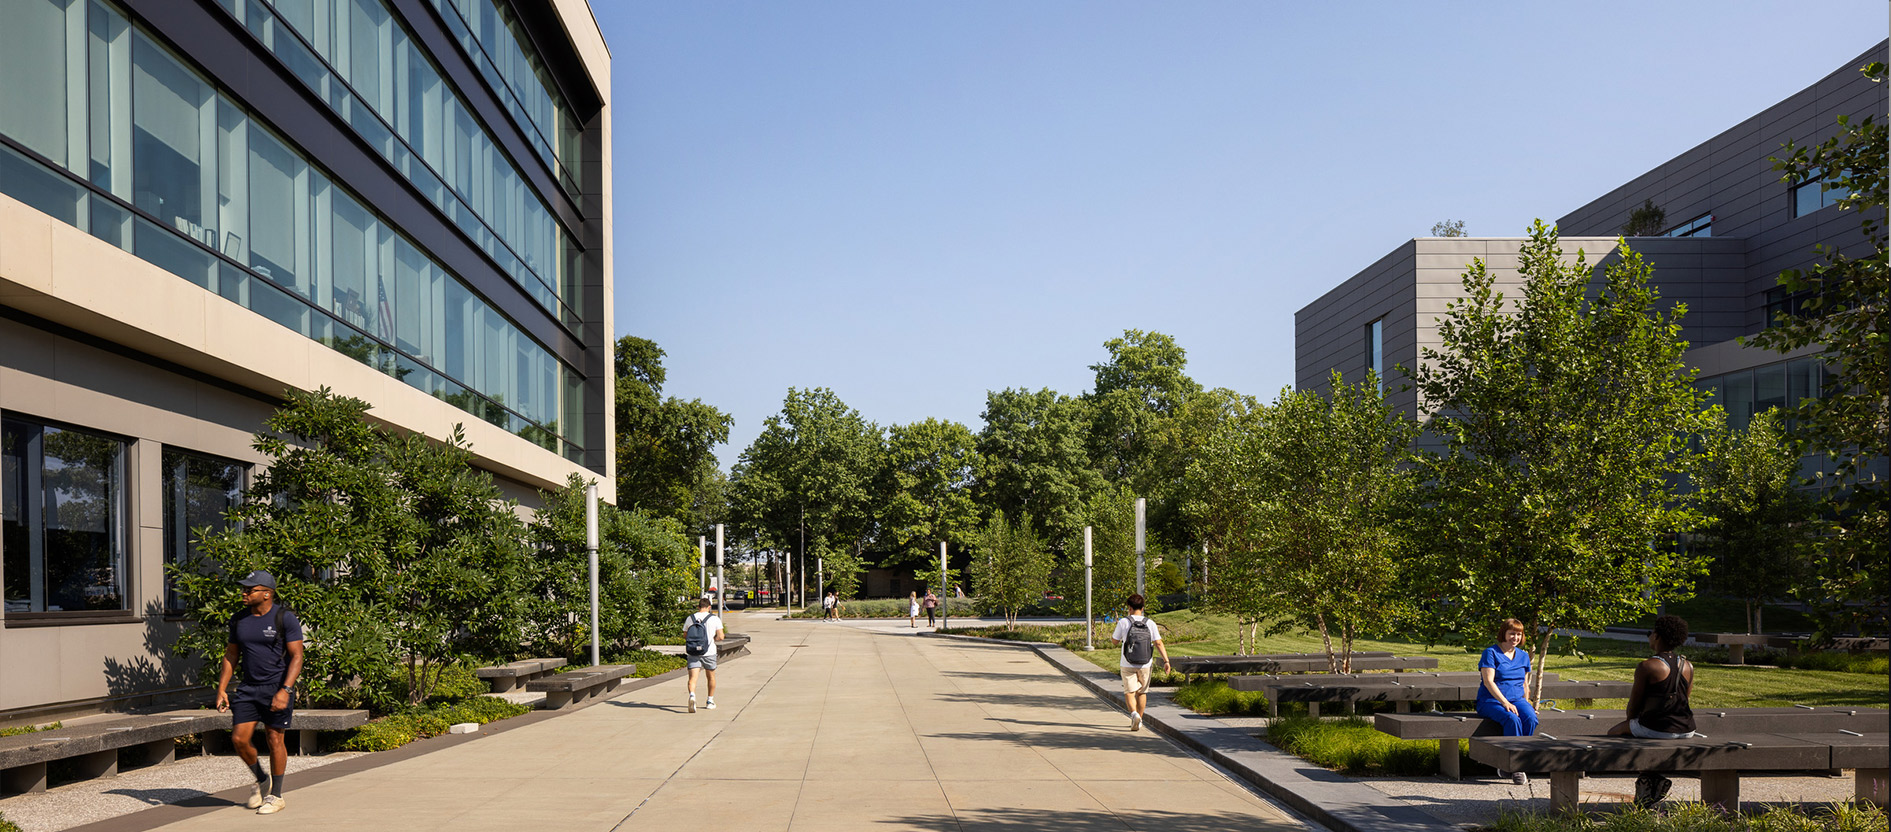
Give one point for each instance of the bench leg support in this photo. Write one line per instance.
(157, 752)
(1565, 790)
(1313, 709)
(503, 684)
(1403, 706)
(1721, 788)
(1448, 760)
(308, 742)
(98, 764)
(557, 699)
(26, 779)
(1873, 783)
(1736, 654)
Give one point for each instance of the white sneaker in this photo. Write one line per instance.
(692, 703)
(271, 805)
(1520, 778)
(712, 703)
(256, 797)
(1135, 722)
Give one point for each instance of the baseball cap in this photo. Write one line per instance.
(259, 578)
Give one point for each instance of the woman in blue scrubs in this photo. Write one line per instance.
(1501, 697)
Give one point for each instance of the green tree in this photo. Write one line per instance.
(1448, 228)
(1842, 310)
(1036, 464)
(645, 564)
(1334, 480)
(1647, 221)
(1111, 516)
(1141, 388)
(1010, 566)
(1563, 422)
(666, 462)
(1759, 524)
(926, 490)
(813, 467)
(1222, 502)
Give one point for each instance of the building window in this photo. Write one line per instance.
(1701, 226)
(62, 518)
(199, 492)
(1375, 351)
(1814, 191)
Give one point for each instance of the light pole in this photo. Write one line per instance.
(722, 591)
(1141, 549)
(945, 590)
(1089, 622)
(591, 547)
(702, 565)
(804, 557)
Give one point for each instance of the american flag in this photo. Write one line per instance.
(385, 326)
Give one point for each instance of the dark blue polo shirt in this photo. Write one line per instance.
(265, 652)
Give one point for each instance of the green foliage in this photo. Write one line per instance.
(1759, 525)
(893, 608)
(812, 469)
(30, 729)
(1448, 228)
(666, 462)
(1141, 387)
(1214, 698)
(1111, 516)
(396, 730)
(392, 549)
(1647, 221)
(926, 485)
(645, 563)
(8, 826)
(1698, 817)
(1842, 310)
(1036, 461)
(1353, 746)
(1564, 424)
(1010, 566)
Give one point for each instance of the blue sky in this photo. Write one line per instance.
(914, 203)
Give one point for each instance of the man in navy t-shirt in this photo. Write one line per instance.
(266, 638)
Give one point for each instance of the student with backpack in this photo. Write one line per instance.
(1141, 640)
(830, 606)
(266, 638)
(701, 631)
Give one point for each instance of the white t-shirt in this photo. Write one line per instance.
(713, 624)
(1122, 635)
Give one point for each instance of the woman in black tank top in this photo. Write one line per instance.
(1658, 702)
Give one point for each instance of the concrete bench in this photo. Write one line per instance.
(506, 677)
(96, 746)
(1304, 664)
(1188, 665)
(1717, 759)
(1404, 689)
(308, 723)
(1737, 644)
(564, 689)
(1449, 727)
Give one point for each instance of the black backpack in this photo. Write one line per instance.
(696, 637)
(1138, 647)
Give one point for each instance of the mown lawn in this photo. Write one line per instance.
(1187, 633)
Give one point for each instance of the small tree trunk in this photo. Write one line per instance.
(1534, 684)
(1346, 649)
(1758, 626)
(1326, 639)
(1752, 624)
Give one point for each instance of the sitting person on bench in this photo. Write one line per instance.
(1501, 697)
(1658, 701)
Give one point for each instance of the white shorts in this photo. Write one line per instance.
(1135, 679)
(705, 662)
(1635, 727)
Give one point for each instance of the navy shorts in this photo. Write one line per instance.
(253, 706)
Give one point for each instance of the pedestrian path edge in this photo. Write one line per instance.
(1333, 800)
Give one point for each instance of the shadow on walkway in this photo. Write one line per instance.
(1063, 820)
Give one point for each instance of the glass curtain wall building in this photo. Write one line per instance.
(205, 203)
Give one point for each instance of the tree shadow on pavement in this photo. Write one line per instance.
(192, 798)
(1024, 700)
(1064, 820)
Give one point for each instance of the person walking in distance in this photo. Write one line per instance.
(932, 608)
(266, 638)
(912, 609)
(828, 605)
(1140, 640)
(701, 630)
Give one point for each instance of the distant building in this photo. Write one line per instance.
(204, 203)
(1734, 225)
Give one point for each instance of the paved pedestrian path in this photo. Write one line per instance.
(824, 727)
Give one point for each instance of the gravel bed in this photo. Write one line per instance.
(89, 801)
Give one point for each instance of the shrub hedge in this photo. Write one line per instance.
(1353, 746)
(1697, 817)
(1215, 698)
(396, 730)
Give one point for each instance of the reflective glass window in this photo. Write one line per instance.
(42, 62)
(199, 493)
(173, 138)
(63, 522)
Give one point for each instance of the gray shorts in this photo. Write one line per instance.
(705, 662)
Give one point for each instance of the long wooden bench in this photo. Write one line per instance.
(96, 746)
(1405, 689)
(564, 689)
(1190, 665)
(1303, 664)
(1449, 727)
(506, 677)
(1718, 759)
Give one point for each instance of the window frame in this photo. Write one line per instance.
(119, 530)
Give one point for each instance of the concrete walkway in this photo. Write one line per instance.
(824, 727)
